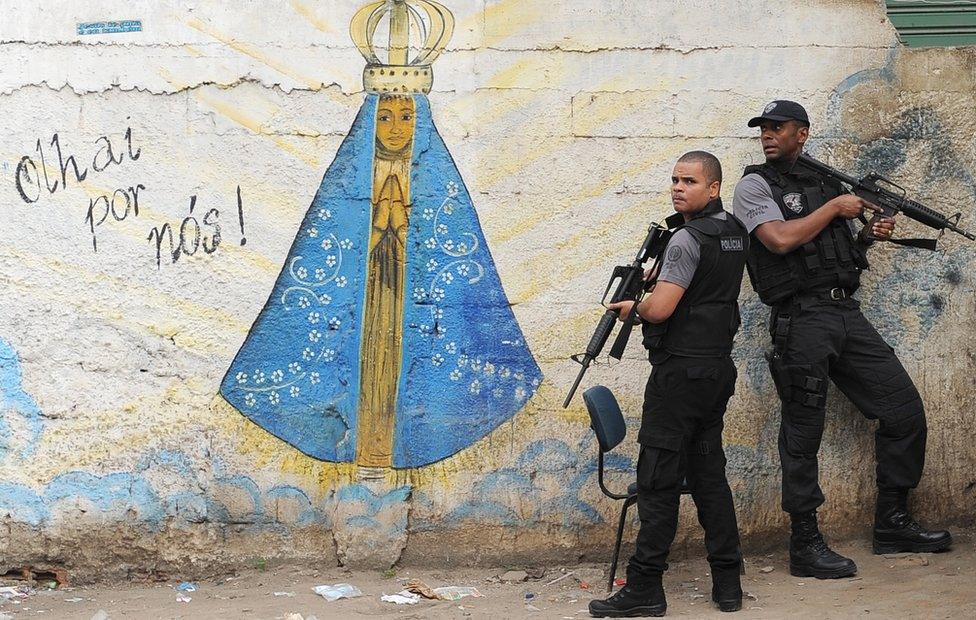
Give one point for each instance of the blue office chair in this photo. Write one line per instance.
(608, 424)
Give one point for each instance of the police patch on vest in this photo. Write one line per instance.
(731, 244)
(793, 202)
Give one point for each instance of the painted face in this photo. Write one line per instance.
(394, 122)
(782, 140)
(690, 189)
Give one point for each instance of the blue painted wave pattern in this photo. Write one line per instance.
(379, 516)
(548, 480)
(134, 497)
(513, 496)
(16, 404)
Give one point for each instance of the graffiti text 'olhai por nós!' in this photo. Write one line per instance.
(34, 179)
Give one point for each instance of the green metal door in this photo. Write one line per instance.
(934, 23)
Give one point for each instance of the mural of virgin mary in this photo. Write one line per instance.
(387, 339)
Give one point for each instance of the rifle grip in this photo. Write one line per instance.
(877, 216)
(866, 231)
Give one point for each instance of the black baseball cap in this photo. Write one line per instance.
(781, 110)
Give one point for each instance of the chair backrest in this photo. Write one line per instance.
(605, 417)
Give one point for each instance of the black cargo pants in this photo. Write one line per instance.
(681, 435)
(831, 339)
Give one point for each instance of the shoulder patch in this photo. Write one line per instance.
(674, 253)
(793, 202)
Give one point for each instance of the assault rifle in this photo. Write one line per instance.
(891, 200)
(630, 286)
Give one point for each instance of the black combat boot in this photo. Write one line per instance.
(727, 590)
(895, 531)
(630, 602)
(809, 554)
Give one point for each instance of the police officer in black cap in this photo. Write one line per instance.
(805, 262)
(689, 321)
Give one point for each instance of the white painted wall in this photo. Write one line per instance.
(564, 119)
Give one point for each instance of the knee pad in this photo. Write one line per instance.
(911, 425)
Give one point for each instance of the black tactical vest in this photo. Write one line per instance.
(832, 259)
(707, 316)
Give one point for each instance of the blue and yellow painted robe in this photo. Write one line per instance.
(465, 365)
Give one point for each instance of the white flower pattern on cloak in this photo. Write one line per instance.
(479, 378)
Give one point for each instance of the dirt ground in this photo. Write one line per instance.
(901, 586)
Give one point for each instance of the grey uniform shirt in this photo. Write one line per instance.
(753, 203)
(681, 257)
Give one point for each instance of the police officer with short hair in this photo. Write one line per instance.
(689, 321)
(805, 262)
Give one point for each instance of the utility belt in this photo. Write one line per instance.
(837, 293)
(786, 308)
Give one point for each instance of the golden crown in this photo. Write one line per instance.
(401, 74)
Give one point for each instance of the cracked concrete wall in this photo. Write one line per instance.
(564, 119)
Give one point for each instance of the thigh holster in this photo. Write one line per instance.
(795, 384)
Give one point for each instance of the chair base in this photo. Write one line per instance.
(630, 501)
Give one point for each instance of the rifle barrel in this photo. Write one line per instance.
(961, 231)
(579, 377)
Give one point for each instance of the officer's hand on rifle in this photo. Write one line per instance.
(623, 310)
(883, 228)
(849, 206)
(650, 277)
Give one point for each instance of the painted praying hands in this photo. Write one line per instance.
(391, 213)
